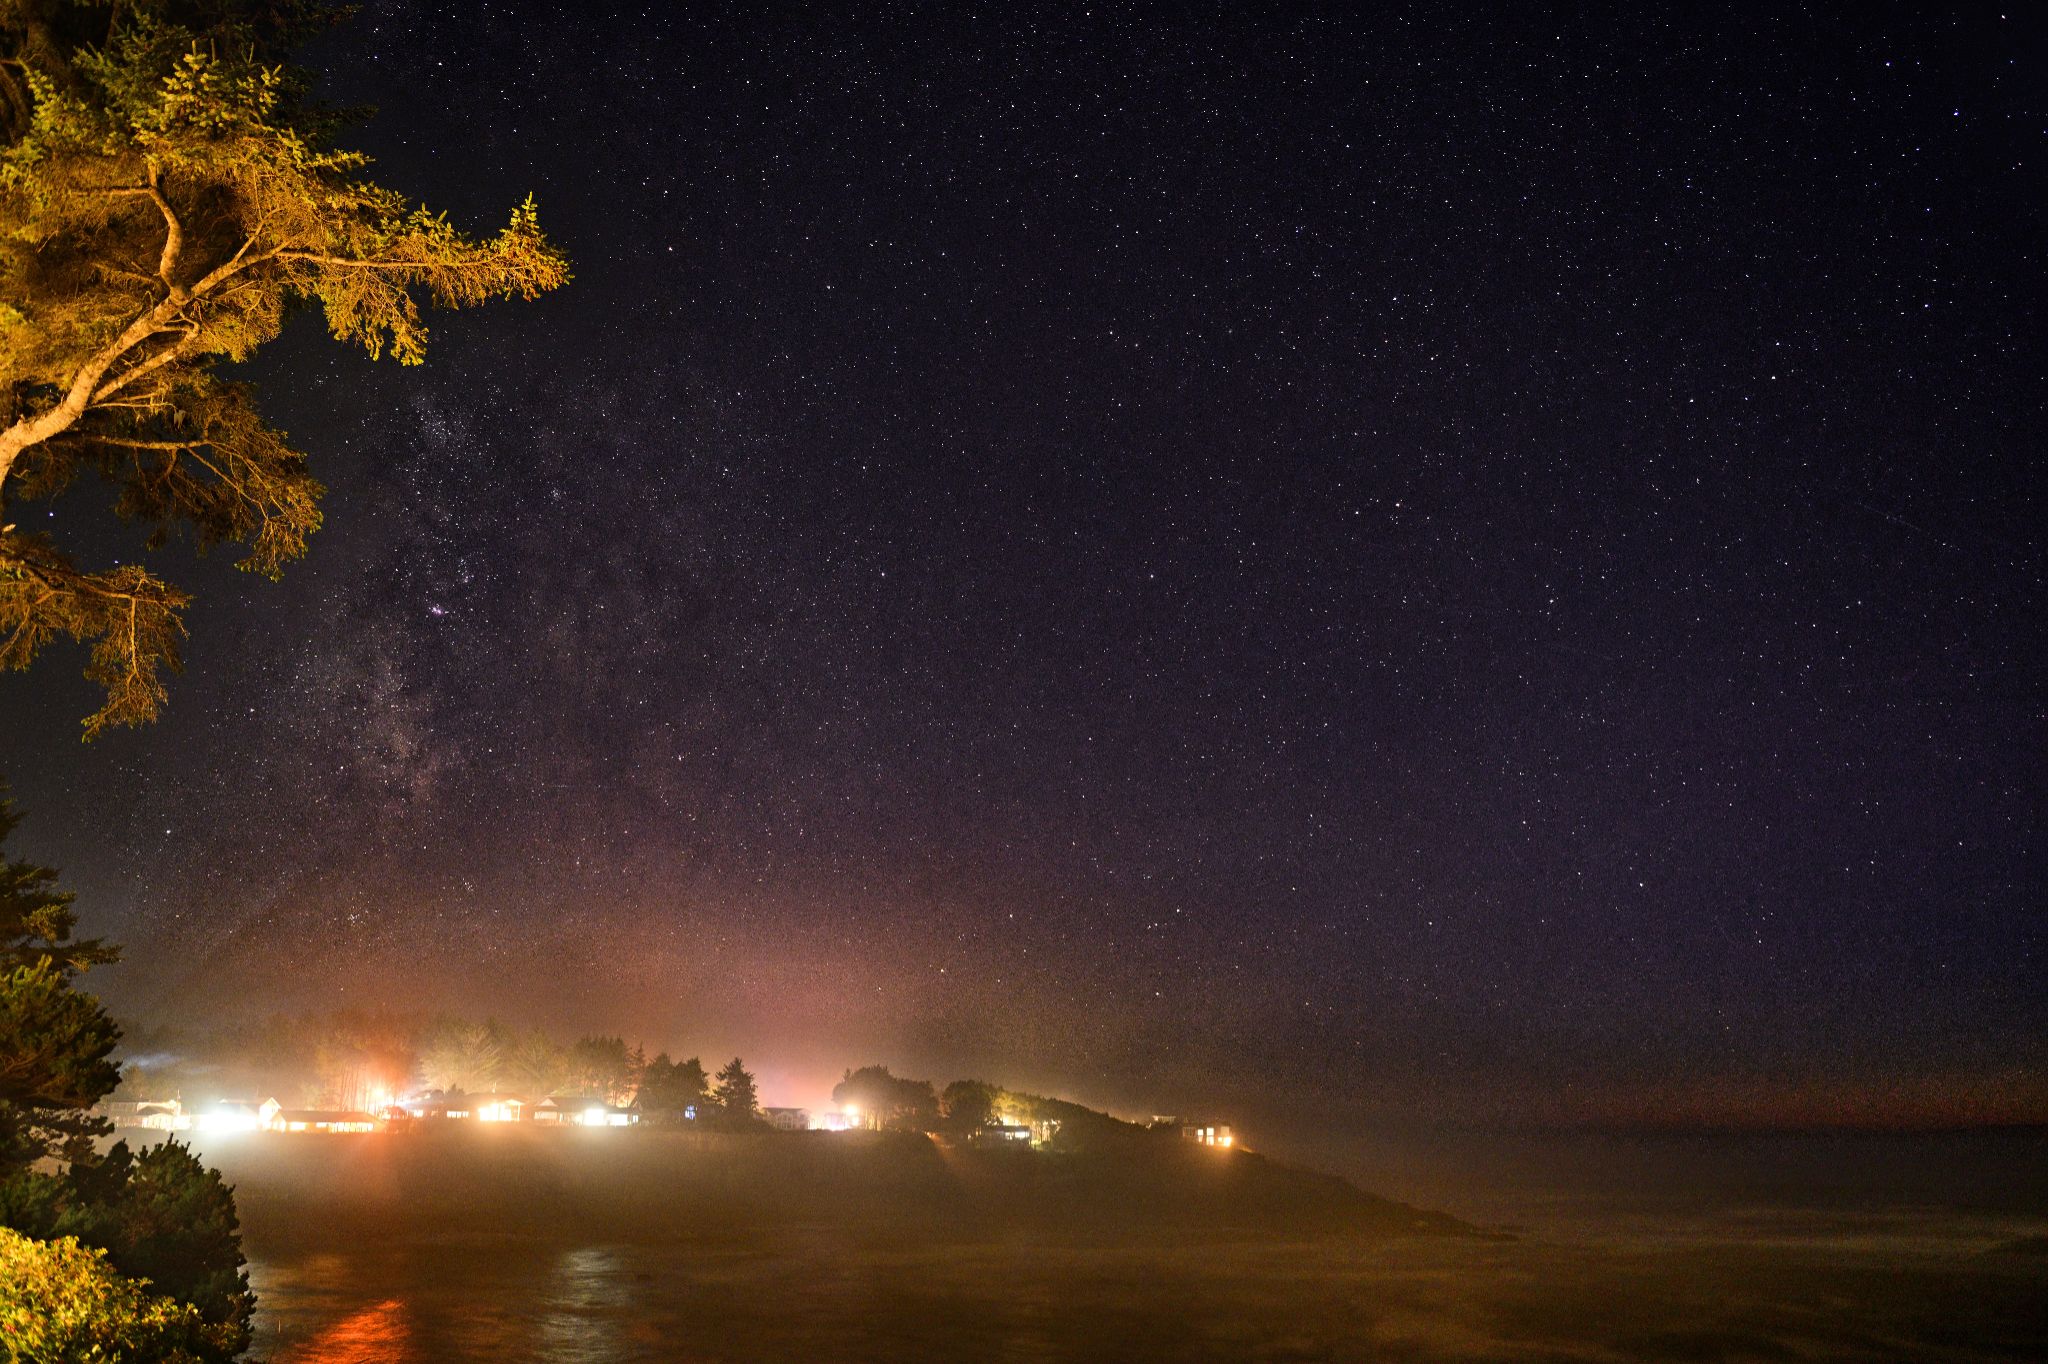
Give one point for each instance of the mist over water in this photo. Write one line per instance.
(1701, 1247)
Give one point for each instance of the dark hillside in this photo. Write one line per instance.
(640, 1183)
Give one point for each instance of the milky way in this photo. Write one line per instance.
(1422, 563)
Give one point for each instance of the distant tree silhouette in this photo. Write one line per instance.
(464, 1056)
(739, 1102)
(888, 1101)
(670, 1089)
(967, 1105)
(364, 1057)
(602, 1066)
(537, 1063)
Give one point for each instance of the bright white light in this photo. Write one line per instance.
(593, 1116)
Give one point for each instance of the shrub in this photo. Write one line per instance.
(61, 1302)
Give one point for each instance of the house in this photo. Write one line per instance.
(163, 1115)
(321, 1120)
(1003, 1134)
(425, 1103)
(496, 1107)
(1207, 1134)
(237, 1115)
(1023, 1129)
(788, 1119)
(437, 1103)
(582, 1110)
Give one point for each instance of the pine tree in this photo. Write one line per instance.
(36, 918)
(56, 1044)
(738, 1101)
(167, 197)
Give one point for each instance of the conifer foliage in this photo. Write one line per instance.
(167, 198)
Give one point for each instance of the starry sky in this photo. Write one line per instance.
(1423, 565)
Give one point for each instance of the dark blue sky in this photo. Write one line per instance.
(1433, 562)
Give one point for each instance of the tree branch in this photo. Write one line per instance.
(154, 362)
(174, 238)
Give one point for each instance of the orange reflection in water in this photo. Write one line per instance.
(375, 1335)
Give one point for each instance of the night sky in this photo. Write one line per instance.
(1425, 565)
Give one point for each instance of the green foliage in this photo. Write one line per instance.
(179, 1230)
(161, 1217)
(166, 201)
(56, 1049)
(36, 918)
(63, 1303)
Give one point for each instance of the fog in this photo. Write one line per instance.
(646, 1245)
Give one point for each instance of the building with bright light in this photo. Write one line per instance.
(788, 1119)
(321, 1120)
(497, 1107)
(237, 1115)
(576, 1110)
(1208, 1134)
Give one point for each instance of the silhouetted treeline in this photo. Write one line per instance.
(368, 1058)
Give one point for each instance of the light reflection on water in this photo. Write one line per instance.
(430, 1303)
(492, 1300)
(459, 1253)
(588, 1304)
(1839, 1290)
(375, 1335)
